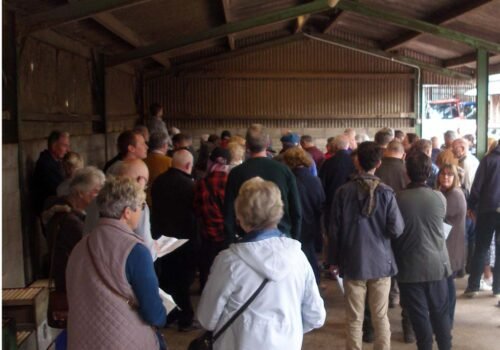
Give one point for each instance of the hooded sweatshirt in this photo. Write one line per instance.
(363, 219)
(288, 306)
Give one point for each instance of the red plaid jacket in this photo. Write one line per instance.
(208, 204)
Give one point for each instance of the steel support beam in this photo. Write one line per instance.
(441, 18)
(72, 12)
(417, 25)
(222, 31)
(482, 102)
(391, 56)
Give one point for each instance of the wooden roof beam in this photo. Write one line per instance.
(227, 15)
(333, 21)
(115, 26)
(390, 56)
(222, 31)
(71, 12)
(417, 25)
(441, 18)
(460, 61)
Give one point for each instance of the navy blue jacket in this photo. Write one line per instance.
(361, 244)
(335, 172)
(485, 191)
(47, 176)
(312, 200)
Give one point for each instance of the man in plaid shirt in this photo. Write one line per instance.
(208, 206)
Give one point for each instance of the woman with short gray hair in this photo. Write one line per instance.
(111, 269)
(65, 218)
(289, 303)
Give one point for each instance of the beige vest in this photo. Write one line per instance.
(98, 318)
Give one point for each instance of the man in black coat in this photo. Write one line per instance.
(173, 215)
(48, 172)
(336, 171)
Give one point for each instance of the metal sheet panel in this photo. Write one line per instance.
(276, 97)
(308, 55)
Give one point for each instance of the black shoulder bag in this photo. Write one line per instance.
(206, 340)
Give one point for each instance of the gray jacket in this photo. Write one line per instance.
(421, 251)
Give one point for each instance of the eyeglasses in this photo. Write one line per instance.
(447, 174)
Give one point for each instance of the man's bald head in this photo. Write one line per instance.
(460, 147)
(341, 142)
(183, 160)
(135, 169)
(394, 149)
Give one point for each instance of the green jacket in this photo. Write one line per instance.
(270, 170)
(420, 251)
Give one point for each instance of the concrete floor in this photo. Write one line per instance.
(477, 324)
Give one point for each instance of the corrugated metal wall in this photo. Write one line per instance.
(371, 91)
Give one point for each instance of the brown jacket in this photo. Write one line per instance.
(98, 318)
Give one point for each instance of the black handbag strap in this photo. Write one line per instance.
(240, 310)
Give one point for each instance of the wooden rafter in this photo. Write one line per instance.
(391, 56)
(439, 19)
(71, 12)
(300, 22)
(227, 15)
(460, 61)
(117, 27)
(417, 25)
(333, 20)
(222, 31)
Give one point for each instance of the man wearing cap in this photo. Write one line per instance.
(290, 140)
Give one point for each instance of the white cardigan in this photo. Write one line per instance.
(288, 306)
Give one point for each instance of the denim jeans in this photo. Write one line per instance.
(486, 224)
(428, 308)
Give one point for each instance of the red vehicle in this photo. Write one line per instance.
(445, 109)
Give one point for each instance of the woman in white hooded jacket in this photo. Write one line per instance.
(288, 306)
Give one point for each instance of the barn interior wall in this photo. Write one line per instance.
(57, 91)
(305, 86)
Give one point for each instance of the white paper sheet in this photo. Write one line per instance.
(340, 283)
(446, 229)
(167, 245)
(168, 301)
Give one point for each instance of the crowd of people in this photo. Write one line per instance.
(397, 218)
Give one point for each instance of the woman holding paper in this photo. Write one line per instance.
(448, 183)
(287, 306)
(112, 288)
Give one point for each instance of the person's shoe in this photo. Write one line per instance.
(408, 333)
(484, 286)
(393, 302)
(469, 293)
